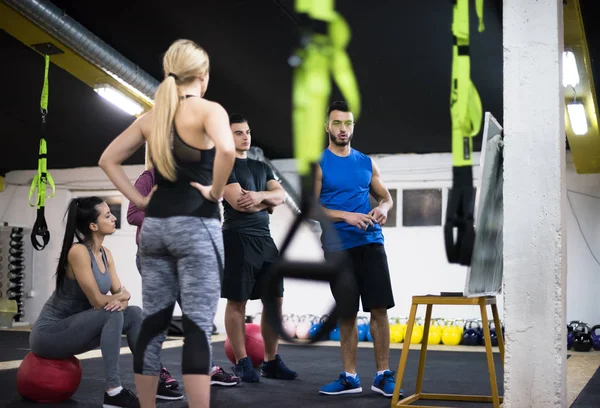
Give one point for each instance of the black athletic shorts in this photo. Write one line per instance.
(370, 266)
(247, 258)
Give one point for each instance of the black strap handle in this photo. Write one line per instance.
(40, 229)
(459, 215)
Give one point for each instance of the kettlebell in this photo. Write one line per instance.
(335, 334)
(493, 335)
(317, 325)
(582, 338)
(595, 333)
(575, 323)
(435, 333)
(314, 329)
(451, 335)
(470, 335)
(363, 327)
(289, 324)
(417, 334)
(570, 335)
(303, 327)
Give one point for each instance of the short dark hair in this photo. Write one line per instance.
(237, 118)
(338, 106)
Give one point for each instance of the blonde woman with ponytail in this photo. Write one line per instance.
(192, 151)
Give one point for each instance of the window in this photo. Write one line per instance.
(422, 208)
(391, 218)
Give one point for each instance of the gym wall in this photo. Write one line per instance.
(416, 253)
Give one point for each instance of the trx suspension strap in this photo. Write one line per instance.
(466, 115)
(43, 177)
(324, 36)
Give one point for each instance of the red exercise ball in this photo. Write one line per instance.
(42, 380)
(255, 346)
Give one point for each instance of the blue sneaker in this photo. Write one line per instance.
(385, 384)
(343, 385)
(244, 370)
(277, 369)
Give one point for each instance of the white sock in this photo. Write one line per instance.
(381, 372)
(350, 375)
(114, 392)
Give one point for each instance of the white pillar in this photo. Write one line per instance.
(534, 199)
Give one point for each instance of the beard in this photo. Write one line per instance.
(337, 142)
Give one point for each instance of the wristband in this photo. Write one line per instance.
(218, 200)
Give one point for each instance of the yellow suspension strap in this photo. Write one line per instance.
(43, 177)
(466, 114)
(321, 54)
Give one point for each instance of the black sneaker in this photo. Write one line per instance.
(245, 371)
(124, 399)
(165, 392)
(277, 369)
(170, 382)
(221, 377)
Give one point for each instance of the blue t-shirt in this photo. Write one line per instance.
(346, 187)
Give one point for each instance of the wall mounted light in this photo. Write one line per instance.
(570, 72)
(119, 99)
(576, 112)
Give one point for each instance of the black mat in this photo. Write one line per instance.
(446, 372)
(590, 395)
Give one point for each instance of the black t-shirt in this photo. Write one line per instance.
(252, 175)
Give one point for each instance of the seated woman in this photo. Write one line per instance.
(79, 315)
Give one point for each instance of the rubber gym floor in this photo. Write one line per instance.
(455, 369)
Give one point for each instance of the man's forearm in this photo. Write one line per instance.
(273, 197)
(256, 208)
(335, 215)
(386, 203)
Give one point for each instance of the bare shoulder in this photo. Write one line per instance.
(144, 122)
(78, 252)
(206, 107)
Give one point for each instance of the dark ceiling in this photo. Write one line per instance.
(401, 52)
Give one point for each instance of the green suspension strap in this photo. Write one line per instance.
(43, 177)
(324, 36)
(466, 114)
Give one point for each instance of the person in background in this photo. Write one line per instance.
(249, 251)
(135, 216)
(344, 181)
(89, 307)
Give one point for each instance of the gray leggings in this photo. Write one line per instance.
(181, 259)
(86, 331)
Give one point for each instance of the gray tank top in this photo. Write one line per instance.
(70, 299)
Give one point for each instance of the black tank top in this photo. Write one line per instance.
(179, 198)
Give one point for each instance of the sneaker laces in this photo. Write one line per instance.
(165, 375)
(342, 379)
(281, 364)
(226, 374)
(388, 376)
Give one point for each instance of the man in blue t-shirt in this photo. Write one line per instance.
(250, 195)
(345, 180)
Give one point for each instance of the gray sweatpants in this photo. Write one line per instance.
(84, 332)
(181, 257)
